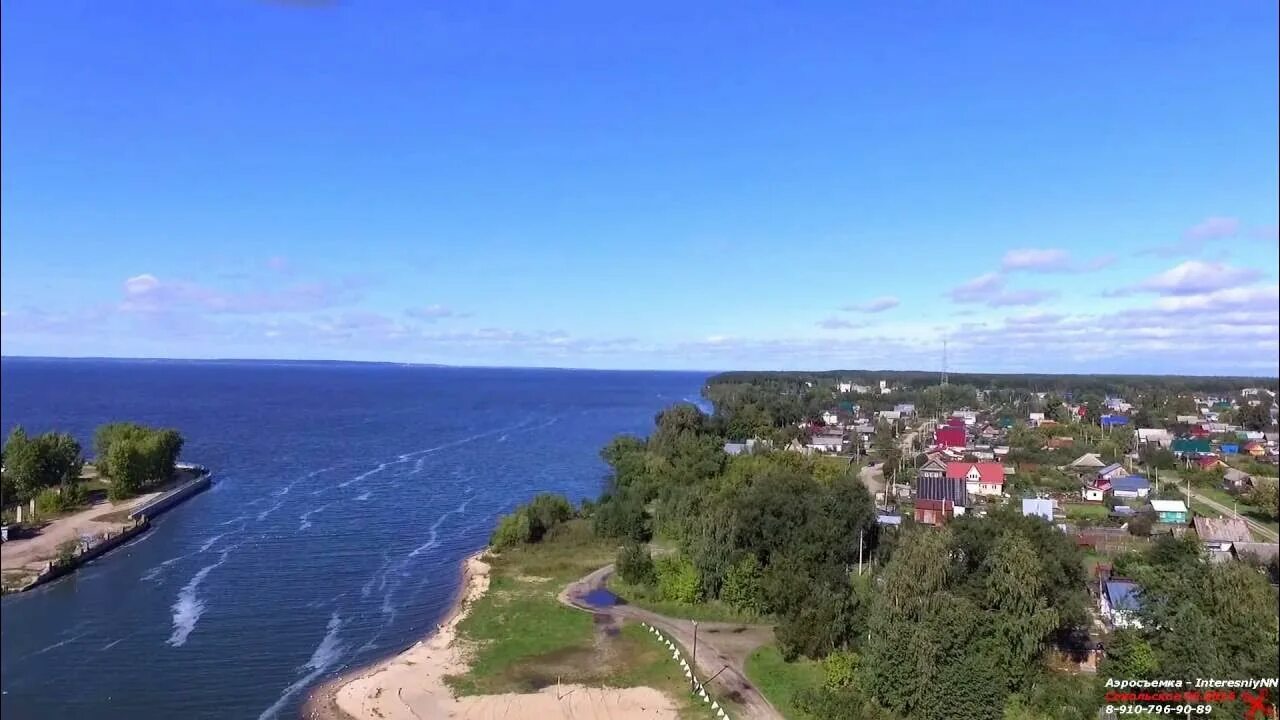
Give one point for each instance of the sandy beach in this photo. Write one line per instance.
(411, 686)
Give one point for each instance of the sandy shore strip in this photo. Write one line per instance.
(411, 686)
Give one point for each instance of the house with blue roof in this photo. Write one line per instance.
(1130, 487)
(1229, 448)
(1118, 603)
(1114, 420)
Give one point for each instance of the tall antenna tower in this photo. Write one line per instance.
(944, 362)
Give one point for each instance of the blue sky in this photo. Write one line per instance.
(1049, 186)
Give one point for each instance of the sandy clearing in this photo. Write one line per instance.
(410, 686)
(32, 553)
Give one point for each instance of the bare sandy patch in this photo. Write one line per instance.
(411, 685)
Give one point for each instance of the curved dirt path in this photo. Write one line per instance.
(720, 645)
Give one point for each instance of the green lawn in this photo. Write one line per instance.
(779, 680)
(522, 639)
(643, 596)
(1085, 510)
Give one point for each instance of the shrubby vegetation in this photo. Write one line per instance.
(530, 522)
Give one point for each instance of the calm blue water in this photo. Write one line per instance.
(346, 496)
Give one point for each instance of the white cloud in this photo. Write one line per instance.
(1213, 228)
(874, 305)
(989, 289)
(834, 323)
(1258, 298)
(434, 312)
(1036, 260)
(1197, 276)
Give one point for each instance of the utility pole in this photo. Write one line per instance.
(859, 552)
(694, 670)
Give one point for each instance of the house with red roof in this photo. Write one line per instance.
(951, 436)
(983, 478)
(1209, 462)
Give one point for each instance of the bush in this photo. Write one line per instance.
(546, 511)
(622, 516)
(635, 565)
(678, 579)
(512, 530)
(60, 499)
(840, 669)
(742, 588)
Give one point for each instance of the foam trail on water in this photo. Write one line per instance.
(112, 644)
(434, 530)
(209, 543)
(263, 515)
(154, 572)
(188, 608)
(363, 496)
(306, 516)
(59, 644)
(324, 656)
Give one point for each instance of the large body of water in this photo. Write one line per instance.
(345, 497)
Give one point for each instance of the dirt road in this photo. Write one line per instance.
(721, 646)
(1254, 526)
(30, 554)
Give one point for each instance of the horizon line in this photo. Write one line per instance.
(592, 369)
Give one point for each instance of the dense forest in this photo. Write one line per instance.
(962, 622)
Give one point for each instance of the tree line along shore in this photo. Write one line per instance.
(987, 617)
(52, 495)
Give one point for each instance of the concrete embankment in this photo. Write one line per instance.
(93, 547)
(167, 501)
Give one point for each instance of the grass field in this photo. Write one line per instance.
(522, 639)
(643, 596)
(779, 680)
(1085, 510)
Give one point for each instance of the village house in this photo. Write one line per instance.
(1118, 603)
(933, 470)
(1087, 461)
(1114, 420)
(1039, 507)
(1095, 491)
(905, 409)
(1111, 472)
(983, 478)
(827, 442)
(1157, 436)
(950, 436)
(1218, 534)
(1209, 462)
(1233, 479)
(1170, 512)
(1130, 487)
(1184, 447)
(1254, 449)
(1059, 442)
(1260, 552)
(933, 512)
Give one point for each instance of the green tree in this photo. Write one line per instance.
(513, 529)
(1020, 615)
(635, 564)
(22, 465)
(128, 467)
(743, 587)
(677, 579)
